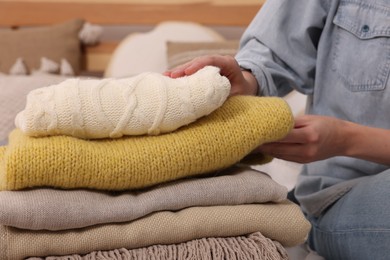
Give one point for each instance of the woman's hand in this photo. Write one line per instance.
(317, 138)
(242, 82)
(313, 138)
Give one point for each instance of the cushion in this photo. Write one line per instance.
(56, 42)
(140, 52)
(182, 52)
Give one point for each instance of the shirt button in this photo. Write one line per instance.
(365, 28)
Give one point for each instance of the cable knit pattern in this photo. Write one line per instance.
(148, 103)
(214, 142)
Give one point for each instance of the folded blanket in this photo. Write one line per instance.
(254, 246)
(211, 143)
(149, 103)
(283, 222)
(39, 208)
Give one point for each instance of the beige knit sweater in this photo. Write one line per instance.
(148, 103)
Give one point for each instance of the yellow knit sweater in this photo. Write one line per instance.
(213, 142)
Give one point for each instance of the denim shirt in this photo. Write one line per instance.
(338, 53)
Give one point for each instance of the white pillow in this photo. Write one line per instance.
(146, 52)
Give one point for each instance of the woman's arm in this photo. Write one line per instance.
(280, 45)
(279, 48)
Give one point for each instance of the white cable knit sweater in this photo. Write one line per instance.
(148, 103)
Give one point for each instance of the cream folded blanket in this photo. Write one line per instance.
(214, 142)
(254, 246)
(283, 222)
(54, 209)
(148, 103)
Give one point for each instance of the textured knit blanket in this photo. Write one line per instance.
(214, 142)
(38, 208)
(254, 246)
(13, 92)
(149, 103)
(283, 222)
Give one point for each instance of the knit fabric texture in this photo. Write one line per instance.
(254, 246)
(149, 103)
(283, 222)
(211, 143)
(13, 92)
(34, 208)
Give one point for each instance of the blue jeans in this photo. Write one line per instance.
(357, 226)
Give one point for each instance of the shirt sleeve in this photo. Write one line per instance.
(280, 45)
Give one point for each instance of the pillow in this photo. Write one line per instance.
(19, 68)
(182, 52)
(51, 67)
(140, 52)
(54, 42)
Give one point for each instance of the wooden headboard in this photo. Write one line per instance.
(14, 14)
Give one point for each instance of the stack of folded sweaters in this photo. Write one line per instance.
(78, 182)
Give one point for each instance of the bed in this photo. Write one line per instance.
(141, 15)
(128, 34)
(127, 24)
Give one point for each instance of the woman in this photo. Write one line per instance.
(338, 53)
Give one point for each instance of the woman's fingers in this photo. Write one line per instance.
(189, 68)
